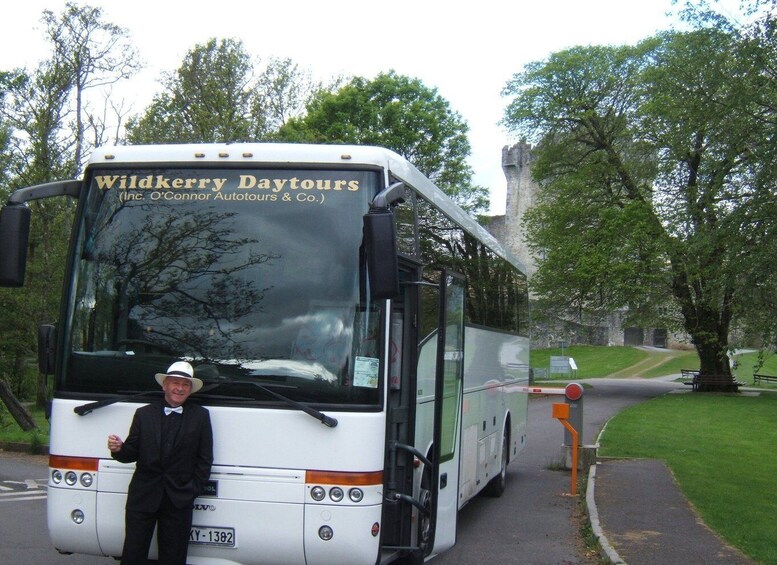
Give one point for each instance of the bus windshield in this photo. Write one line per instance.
(253, 275)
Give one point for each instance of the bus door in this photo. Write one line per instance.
(400, 530)
(447, 412)
(423, 408)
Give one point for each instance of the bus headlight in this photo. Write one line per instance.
(71, 478)
(325, 533)
(356, 494)
(56, 476)
(86, 480)
(336, 494)
(77, 516)
(317, 493)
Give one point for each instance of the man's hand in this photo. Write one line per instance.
(114, 443)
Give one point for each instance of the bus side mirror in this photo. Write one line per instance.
(381, 248)
(15, 235)
(47, 336)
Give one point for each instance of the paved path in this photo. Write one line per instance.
(647, 520)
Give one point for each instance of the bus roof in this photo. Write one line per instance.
(258, 154)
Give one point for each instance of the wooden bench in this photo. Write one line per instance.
(687, 375)
(765, 378)
(706, 383)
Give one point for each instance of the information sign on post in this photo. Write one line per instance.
(559, 364)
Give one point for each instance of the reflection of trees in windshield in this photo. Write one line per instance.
(496, 293)
(266, 290)
(171, 283)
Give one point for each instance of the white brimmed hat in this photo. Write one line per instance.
(183, 370)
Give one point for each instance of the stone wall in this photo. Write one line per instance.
(521, 195)
(508, 229)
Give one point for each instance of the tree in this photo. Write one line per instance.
(6, 78)
(283, 91)
(93, 53)
(36, 114)
(757, 219)
(36, 110)
(649, 162)
(209, 98)
(15, 408)
(402, 114)
(217, 95)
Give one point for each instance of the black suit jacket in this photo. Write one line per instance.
(183, 474)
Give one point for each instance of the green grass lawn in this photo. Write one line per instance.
(672, 364)
(595, 362)
(592, 361)
(10, 432)
(721, 450)
(747, 363)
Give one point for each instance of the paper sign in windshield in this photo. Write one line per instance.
(365, 372)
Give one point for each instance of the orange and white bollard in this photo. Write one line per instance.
(561, 413)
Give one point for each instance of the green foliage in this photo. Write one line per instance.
(402, 114)
(593, 221)
(36, 104)
(43, 144)
(720, 450)
(87, 52)
(208, 99)
(284, 89)
(217, 95)
(6, 131)
(656, 175)
(21, 377)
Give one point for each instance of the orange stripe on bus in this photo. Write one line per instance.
(344, 478)
(74, 463)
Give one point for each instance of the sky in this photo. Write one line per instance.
(466, 50)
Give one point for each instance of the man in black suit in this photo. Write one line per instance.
(172, 446)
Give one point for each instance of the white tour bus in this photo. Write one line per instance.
(363, 342)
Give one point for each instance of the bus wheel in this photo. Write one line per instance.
(496, 486)
(425, 519)
(423, 524)
(424, 527)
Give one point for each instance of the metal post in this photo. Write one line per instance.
(573, 395)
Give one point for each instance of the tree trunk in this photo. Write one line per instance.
(714, 366)
(713, 359)
(19, 412)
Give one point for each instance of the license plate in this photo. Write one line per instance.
(210, 535)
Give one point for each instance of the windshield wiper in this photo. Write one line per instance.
(328, 421)
(85, 409)
(317, 414)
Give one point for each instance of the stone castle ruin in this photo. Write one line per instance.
(508, 229)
